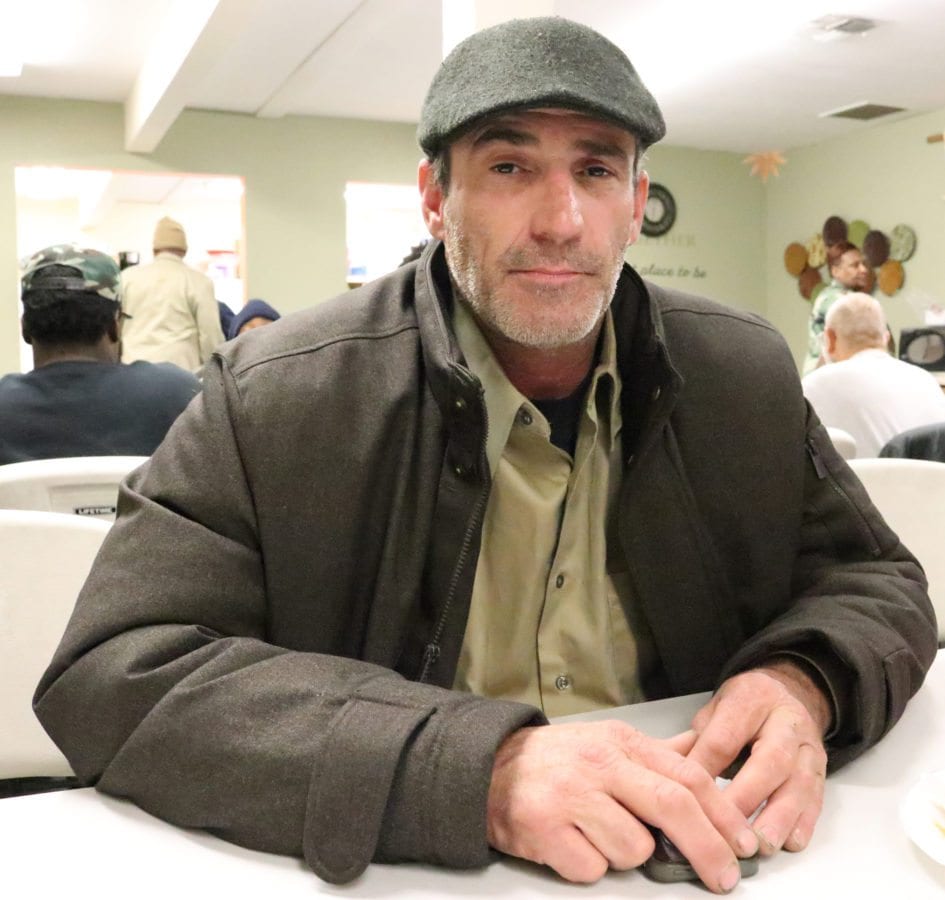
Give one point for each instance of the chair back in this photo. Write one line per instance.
(843, 441)
(910, 494)
(84, 485)
(924, 442)
(45, 558)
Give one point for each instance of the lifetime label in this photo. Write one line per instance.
(94, 510)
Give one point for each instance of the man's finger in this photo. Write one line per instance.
(667, 804)
(571, 855)
(773, 759)
(728, 723)
(717, 808)
(615, 833)
(683, 742)
(791, 812)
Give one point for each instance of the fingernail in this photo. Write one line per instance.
(747, 843)
(797, 840)
(731, 875)
(770, 837)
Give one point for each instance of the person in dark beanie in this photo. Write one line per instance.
(506, 481)
(254, 314)
(79, 399)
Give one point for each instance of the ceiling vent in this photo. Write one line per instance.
(834, 28)
(862, 112)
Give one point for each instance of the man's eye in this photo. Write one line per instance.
(597, 171)
(505, 168)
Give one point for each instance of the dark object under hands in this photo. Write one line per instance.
(667, 864)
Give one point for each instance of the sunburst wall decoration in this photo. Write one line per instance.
(765, 164)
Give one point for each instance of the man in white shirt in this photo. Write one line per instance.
(864, 390)
(176, 317)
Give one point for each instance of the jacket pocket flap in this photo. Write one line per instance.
(353, 775)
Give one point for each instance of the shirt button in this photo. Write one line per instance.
(656, 393)
(563, 682)
(524, 417)
(459, 403)
(559, 581)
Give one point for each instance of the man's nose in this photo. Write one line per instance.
(558, 215)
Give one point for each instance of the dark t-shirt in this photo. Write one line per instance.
(87, 408)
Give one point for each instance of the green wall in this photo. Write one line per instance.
(727, 243)
(716, 246)
(295, 170)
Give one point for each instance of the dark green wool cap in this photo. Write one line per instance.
(546, 61)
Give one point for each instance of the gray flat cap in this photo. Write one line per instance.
(547, 61)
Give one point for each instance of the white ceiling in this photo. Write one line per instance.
(738, 75)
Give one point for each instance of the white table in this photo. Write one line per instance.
(83, 844)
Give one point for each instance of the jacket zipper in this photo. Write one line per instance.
(820, 467)
(431, 653)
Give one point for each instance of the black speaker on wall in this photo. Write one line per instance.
(924, 347)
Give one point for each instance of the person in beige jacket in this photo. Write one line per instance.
(175, 312)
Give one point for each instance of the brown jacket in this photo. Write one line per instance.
(246, 655)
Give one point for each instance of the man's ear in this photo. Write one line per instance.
(640, 193)
(114, 329)
(27, 337)
(830, 341)
(431, 198)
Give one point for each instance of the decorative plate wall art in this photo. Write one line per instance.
(883, 253)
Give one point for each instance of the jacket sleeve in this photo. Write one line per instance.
(165, 689)
(860, 615)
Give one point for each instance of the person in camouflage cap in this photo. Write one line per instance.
(79, 400)
(96, 272)
(72, 295)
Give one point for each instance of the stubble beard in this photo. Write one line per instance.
(504, 316)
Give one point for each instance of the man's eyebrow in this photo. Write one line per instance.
(506, 134)
(509, 134)
(603, 148)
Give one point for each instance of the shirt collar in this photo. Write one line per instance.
(869, 352)
(503, 400)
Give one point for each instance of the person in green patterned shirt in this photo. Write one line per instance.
(848, 272)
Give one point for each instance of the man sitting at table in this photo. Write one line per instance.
(80, 399)
(508, 479)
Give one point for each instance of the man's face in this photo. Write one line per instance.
(254, 322)
(540, 208)
(851, 271)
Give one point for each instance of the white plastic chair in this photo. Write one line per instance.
(44, 560)
(910, 494)
(85, 485)
(843, 441)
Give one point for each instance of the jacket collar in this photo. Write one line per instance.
(650, 384)
(169, 255)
